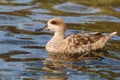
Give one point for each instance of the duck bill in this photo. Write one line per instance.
(43, 28)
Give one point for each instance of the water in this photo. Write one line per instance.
(22, 53)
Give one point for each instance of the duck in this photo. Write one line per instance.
(75, 43)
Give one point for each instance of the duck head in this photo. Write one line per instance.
(55, 25)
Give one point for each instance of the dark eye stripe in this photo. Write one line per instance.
(53, 22)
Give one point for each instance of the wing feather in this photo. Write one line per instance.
(80, 39)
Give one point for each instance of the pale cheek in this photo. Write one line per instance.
(52, 29)
(61, 29)
(55, 28)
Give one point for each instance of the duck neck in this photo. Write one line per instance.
(58, 36)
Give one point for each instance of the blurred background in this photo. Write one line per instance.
(22, 53)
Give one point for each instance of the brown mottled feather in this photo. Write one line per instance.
(79, 42)
(79, 39)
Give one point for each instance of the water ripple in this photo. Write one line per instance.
(16, 1)
(17, 42)
(75, 8)
(12, 20)
(117, 9)
(20, 22)
(21, 1)
(40, 11)
(13, 8)
(77, 20)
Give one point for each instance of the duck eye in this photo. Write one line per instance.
(53, 22)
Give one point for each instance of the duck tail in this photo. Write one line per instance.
(106, 38)
(111, 34)
(100, 43)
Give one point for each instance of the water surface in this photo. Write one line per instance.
(22, 50)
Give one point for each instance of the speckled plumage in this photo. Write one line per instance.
(76, 43)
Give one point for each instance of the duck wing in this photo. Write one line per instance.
(93, 37)
(82, 39)
(79, 43)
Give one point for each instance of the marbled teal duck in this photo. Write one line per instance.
(75, 43)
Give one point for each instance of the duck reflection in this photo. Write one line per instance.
(57, 64)
(63, 57)
(55, 78)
